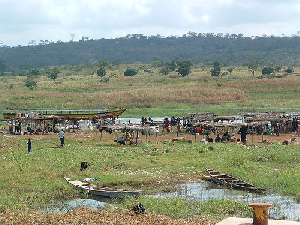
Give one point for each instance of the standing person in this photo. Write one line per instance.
(243, 134)
(61, 135)
(29, 145)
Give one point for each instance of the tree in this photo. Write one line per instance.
(53, 74)
(30, 82)
(278, 68)
(172, 65)
(253, 64)
(290, 69)
(101, 72)
(216, 70)
(35, 72)
(267, 70)
(117, 62)
(165, 70)
(230, 69)
(103, 64)
(184, 67)
(3, 66)
(156, 64)
(130, 72)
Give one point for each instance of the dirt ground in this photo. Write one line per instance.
(291, 138)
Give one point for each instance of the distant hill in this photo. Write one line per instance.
(233, 50)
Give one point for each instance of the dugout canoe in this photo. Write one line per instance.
(232, 182)
(62, 114)
(96, 190)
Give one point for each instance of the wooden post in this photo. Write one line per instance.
(260, 213)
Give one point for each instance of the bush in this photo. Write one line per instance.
(267, 70)
(290, 69)
(130, 72)
(101, 72)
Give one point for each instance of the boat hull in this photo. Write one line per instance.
(102, 191)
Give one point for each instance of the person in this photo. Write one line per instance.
(121, 141)
(243, 134)
(198, 130)
(29, 145)
(16, 127)
(19, 127)
(218, 139)
(61, 135)
(225, 137)
(11, 128)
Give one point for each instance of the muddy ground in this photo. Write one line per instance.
(292, 138)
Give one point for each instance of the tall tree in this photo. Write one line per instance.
(253, 64)
(184, 67)
(53, 73)
(216, 70)
(30, 82)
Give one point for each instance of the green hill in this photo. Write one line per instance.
(234, 50)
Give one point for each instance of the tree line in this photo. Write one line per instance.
(228, 49)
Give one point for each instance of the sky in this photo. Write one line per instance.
(25, 21)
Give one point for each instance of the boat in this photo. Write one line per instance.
(63, 114)
(96, 190)
(232, 182)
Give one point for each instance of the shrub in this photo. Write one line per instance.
(290, 69)
(267, 70)
(130, 72)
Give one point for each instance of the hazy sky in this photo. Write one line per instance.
(24, 20)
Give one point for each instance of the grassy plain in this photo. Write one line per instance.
(31, 181)
(153, 94)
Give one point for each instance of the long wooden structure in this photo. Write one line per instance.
(96, 190)
(62, 114)
(232, 182)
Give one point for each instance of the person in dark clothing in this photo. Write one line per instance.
(29, 145)
(218, 138)
(243, 134)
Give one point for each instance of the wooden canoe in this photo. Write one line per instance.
(93, 189)
(232, 182)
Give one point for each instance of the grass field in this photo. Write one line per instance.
(153, 94)
(31, 181)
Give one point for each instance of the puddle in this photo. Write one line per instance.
(77, 203)
(283, 207)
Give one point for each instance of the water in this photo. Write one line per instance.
(77, 203)
(283, 207)
(136, 120)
